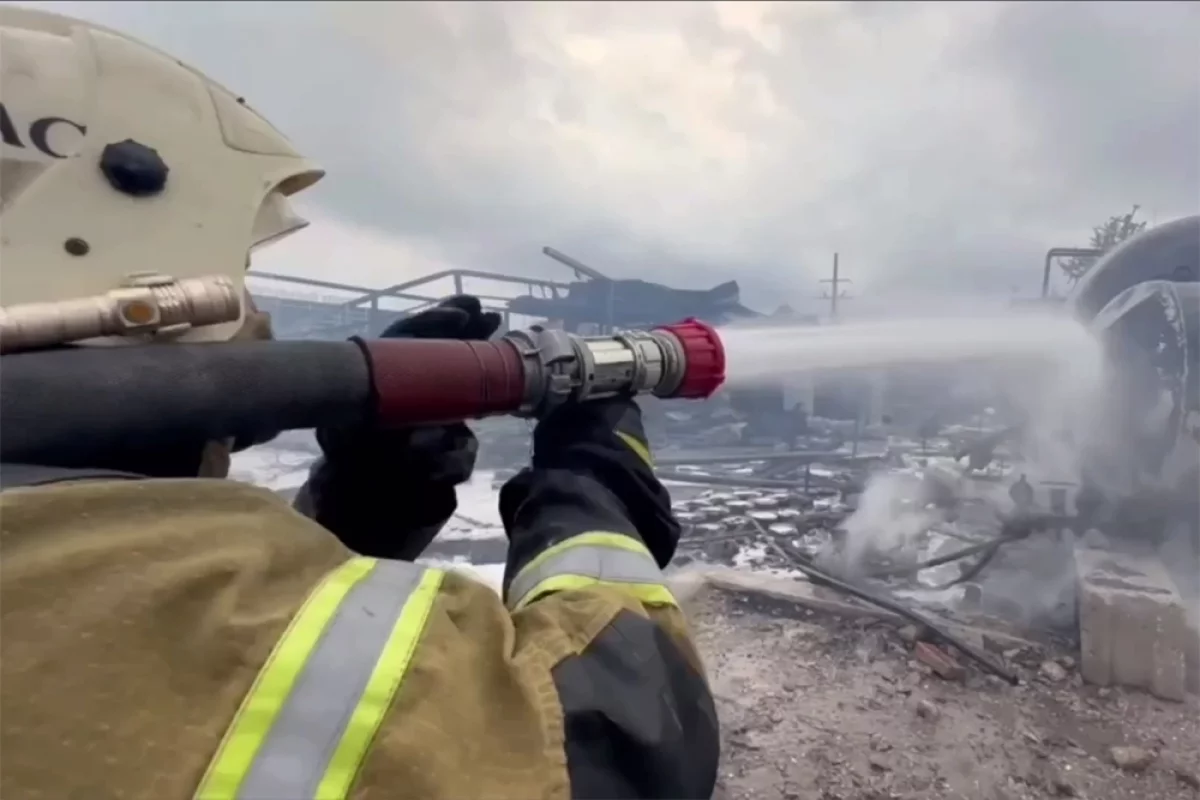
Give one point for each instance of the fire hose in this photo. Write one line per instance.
(69, 406)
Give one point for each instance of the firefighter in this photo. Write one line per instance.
(167, 634)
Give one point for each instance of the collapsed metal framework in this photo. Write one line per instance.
(371, 310)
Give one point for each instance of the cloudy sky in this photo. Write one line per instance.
(939, 147)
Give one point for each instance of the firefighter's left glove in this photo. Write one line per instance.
(592, 471)
(387, 492)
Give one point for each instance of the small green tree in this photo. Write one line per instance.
(1104, 238)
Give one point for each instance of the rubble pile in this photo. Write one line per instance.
(759, 527)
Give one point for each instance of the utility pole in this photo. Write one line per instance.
(834, 293)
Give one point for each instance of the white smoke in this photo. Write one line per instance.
(1058, 405)
(892, 514)
(1064, 411)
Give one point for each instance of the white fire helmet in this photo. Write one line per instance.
(119, 160)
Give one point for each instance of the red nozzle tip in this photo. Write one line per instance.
(704, 358)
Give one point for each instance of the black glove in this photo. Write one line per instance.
(387, 492)
(591, 472)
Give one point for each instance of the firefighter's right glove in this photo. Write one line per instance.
(591, 472)
(386, 492)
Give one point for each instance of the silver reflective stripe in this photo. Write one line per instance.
(297, 751)
(610, 564)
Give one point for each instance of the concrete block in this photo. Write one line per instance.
(1179, 553)
(1133, 627)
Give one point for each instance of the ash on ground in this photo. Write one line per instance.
(823, 707)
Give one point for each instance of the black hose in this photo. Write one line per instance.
(978, 567)
(822, 578)
(1012, 529)
(76, 407)
(895, 572)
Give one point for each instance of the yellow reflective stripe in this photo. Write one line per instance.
(307, 724)
(274, 682)
(596, 538)
(648, 594)
(637, 446)
(591, 559)
(381, 689)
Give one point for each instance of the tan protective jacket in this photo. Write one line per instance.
(198, 638)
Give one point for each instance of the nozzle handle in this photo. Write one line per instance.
(425, 381)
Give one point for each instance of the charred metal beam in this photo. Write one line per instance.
(575, 264)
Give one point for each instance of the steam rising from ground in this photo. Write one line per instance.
(891, 513)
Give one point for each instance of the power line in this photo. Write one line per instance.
(834, 294)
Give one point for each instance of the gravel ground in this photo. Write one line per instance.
(821, 707)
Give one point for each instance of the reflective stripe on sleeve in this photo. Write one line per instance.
(637, 446)
(307, 723)
(608, 559)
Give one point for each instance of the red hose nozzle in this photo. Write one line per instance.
(703, 355)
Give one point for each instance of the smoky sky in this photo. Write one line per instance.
(939, 148)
